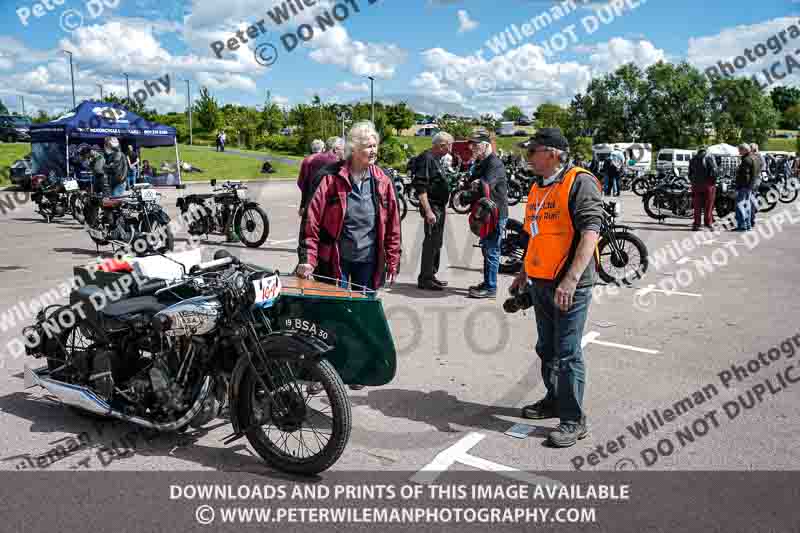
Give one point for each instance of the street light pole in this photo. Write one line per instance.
(22, 99)
(127, 86)
(101, 90)
(72, 77)
(372, 96)
(189, 105)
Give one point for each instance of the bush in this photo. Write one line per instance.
(279, 143)
(392, 153)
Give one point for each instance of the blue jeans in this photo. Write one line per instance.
(118, 190)
(131, 179)
(559, 348)
(753, 208)
(360, 274)
(743, 209)
(491, 255)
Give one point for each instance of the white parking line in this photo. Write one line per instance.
(652, 288)
(458, 453)
(592, 336)
(282, 242)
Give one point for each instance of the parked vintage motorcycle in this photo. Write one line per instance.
(399, 187)
(646, 183)
(54, 197)
(228, 204)
(623, 256)
(119, 220)
(668, 199)
(168, 362)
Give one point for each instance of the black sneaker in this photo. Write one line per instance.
(568, 433)
(429, 286)
(542, 409)
(356, 387)
(439, 282)
(477, 287)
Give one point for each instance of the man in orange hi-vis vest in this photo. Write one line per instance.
(563, 218)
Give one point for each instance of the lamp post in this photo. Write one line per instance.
(127, 86)
(189, 105)
(372, 96)
(22, 99)
(101, 90)
(72, 77)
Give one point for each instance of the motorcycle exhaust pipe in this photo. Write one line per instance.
(84, 398)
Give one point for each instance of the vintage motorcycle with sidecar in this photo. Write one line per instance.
(175, 351)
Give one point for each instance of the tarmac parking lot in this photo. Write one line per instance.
(465, 368)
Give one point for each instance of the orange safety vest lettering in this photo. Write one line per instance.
(549, 249)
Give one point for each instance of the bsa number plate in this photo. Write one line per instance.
(70, 185)
(242, 194)
(299, 324)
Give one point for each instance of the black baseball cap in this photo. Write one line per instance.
(550, 137)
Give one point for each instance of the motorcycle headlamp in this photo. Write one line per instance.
(617, 209)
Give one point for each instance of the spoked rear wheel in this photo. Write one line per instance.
(624, 260)
(296, 431)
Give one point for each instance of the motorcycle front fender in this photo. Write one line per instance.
(280, 345)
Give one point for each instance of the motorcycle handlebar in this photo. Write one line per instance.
(211, 265)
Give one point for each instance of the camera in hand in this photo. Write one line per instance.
(520, 300)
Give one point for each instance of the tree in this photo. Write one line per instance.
(513, 114)
(489, 122)
(457, 128)
(784, 97)
(3, 108)
(207, 111)
(41, 117)
(400, 117)
(791, 117)
(549, 115)
(741, 112)
(272, 118)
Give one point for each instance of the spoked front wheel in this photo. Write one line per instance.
(291, 429)
(623, 258)
(252, 226)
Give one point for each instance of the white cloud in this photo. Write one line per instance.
(335, 47)
(726, 45)
(465, 24)
(523, 76)
(607, 57)
(346, 86)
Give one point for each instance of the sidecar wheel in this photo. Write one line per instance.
(307, 421)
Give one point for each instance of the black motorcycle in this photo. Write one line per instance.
(623, 255)
(668, 199)
(173, 354)
(55, 197)
(119, 220)
(641, 185)
(228, 204)
(399, 187)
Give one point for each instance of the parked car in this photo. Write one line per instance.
(524, 122)
(21, 171)
(520, 133)
(14, 128)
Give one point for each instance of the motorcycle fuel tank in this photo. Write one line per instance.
(195, 316)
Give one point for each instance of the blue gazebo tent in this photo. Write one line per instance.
(92, 121)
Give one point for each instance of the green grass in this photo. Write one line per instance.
(423, 143)
(10, 152)
(784, 145)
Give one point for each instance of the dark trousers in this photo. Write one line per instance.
(357, 273)
(703, 200)
(432, 245)
(559, 348)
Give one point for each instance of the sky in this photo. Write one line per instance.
(466, 57)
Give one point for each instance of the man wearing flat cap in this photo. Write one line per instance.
(563, 218)
(489, 168)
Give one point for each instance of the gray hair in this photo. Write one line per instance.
(484, 148)
(745, 147)
(360, 135)
(317, 145)
(334, 142)
(754, 147)
(442, 138)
